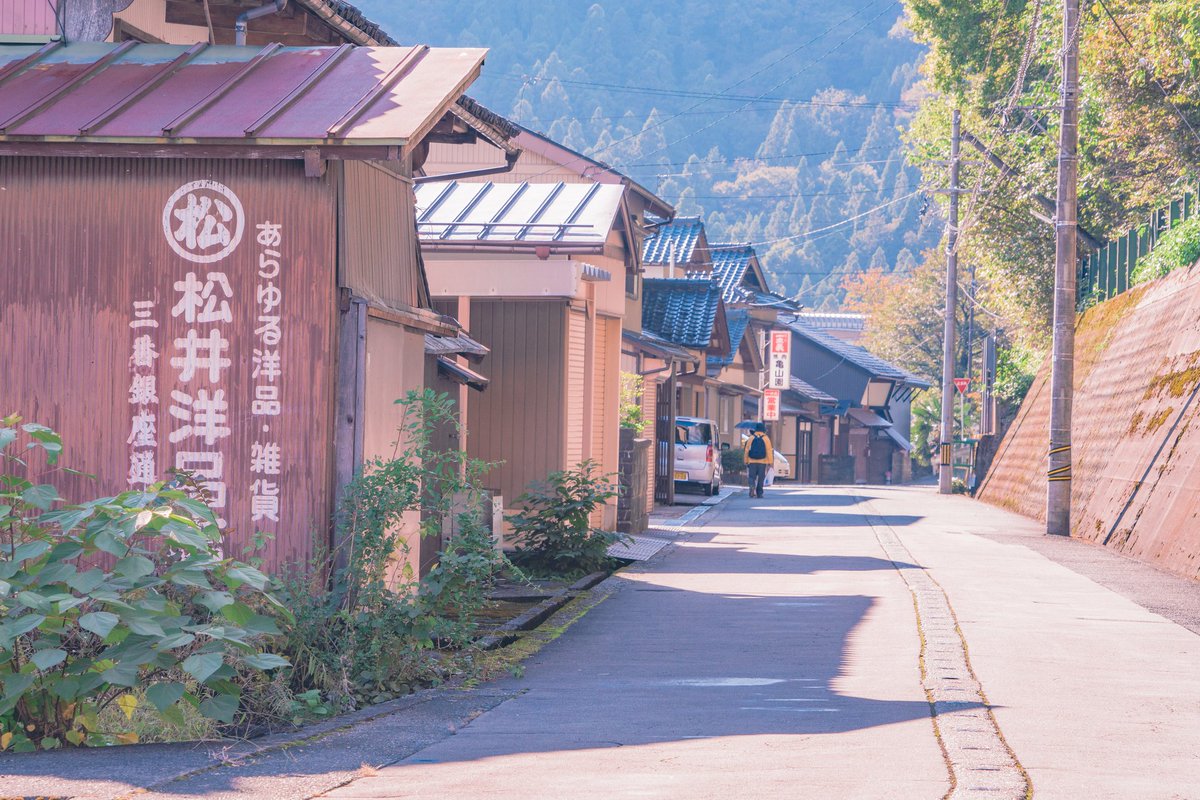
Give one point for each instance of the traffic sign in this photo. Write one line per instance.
(961, 384)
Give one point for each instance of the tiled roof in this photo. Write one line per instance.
(564, 213)
(738, 320)
(773, 300)
(730, 263)
(859, 356)
(331, 9)
(834, 321)
(657, 345)
(681, 235)
(462, 344)
(681, 310)
(806, 391)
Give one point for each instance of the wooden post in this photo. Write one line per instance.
(1062, 374)
(945, 467)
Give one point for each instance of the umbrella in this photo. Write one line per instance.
(747, 424)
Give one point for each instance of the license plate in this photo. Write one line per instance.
(680, 476)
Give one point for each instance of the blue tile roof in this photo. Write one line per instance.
(738, 320)
(681, 310)
(730, 262)
(806, 391)
(681, 234)
(859, 356)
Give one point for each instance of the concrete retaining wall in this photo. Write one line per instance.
(1136, 485)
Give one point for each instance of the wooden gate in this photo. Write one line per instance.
(664, 444)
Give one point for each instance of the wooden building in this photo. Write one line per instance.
(211, 263)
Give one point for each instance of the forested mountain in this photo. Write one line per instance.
(774, 119)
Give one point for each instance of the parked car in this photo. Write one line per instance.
(697, 462)
(783, 469)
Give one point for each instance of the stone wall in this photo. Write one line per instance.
(1136, 481)
(633, 514)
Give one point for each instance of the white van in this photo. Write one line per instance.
(697, 454)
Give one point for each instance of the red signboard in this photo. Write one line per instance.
(770, 405)
(961, 384)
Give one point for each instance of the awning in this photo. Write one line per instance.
(868, 418)
(659, 347)
(900, 441)
(460, 374)
(342, 98)
(460, 345)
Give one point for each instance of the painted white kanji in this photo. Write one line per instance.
(269, 233)
(143, 432)
(201, 302)
(143, 390)
(203, 222)
(268, 329)
(266, 364)
(201, 353)
(264, 500)
(266, 401)
(269, 297)
(265, 458)
(203, 416)
(142, 310)
(144, 352)
(142, 470)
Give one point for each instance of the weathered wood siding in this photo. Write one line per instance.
(576, 386)
(519, 419)
(377, 236)
(149, 347)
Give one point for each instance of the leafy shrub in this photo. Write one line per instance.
(733, 461)
(366, 629)
(631, 416)
(1178, 247)
(552, 530)
(121, 601)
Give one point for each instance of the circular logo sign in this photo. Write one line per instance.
(203, 221)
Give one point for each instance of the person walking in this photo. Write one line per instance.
(759, 456)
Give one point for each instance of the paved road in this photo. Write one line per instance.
(791, 647)
(775, 653)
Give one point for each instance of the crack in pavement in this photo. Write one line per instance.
(981, 763)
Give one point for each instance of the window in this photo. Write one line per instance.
(689, 432)
(632, 280)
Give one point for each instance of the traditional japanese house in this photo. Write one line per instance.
(540, 270)
(857, 440)
(211, 263)
(678, 248)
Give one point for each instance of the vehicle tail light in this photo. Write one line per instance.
(708, 455)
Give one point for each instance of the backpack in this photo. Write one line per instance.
(758, 446)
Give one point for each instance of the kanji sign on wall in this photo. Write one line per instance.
(770, 405)
(779, 365)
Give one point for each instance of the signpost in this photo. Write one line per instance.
(779, 367)
(770, 405)
(962, 384)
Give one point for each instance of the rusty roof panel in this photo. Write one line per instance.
(372, 95)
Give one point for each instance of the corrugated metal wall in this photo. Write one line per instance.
(519, 419)
(106, 326)
(576, 370)
(606, 406)
(378, 228)
(532, 167)
(28, 17)
(649, 401)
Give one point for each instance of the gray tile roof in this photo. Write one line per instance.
(730, 263)
(681, 310)
(859, 356)
(738, 320)
(681, 235)
(808, 392)
(838, 321)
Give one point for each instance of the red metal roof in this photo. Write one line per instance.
(172, 94)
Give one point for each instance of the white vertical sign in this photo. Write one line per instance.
(779, 365)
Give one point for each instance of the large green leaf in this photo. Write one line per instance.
(100, 623)
(238, 613)
(34, 601)
(220, 707)
(164, 695)
(23, 625)
(265, 661)
(85, 582)
(247, 575)
(45, 659)
(202, 665)
(134, 566)
(41, 496)
(28, 550)
(124, 673)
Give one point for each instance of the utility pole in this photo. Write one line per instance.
(1062, 370)
(945, 467)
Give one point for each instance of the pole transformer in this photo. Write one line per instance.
(1062, 374)
(946, 451)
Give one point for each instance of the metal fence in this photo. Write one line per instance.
(1106, 272)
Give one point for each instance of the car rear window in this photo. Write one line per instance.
(687, 432)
